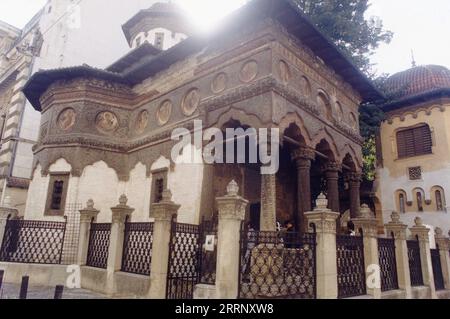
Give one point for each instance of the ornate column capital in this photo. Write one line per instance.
(88, 213)
(121, 211)
(232, 206)
(302, 154)
(353, 177)
(332, 169)
(420, 230)
(396, 227)
(166, 209)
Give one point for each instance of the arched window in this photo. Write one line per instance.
(419, 198)
(402, 203)
(414, 141)
(439, 201)
(56, 196)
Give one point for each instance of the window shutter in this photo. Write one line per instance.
(414, 142)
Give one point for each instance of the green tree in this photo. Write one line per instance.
(345, 22)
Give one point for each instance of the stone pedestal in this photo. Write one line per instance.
(325, 221)
(87, 216)
(398, 230)
(443, 243)
(231, 214)
(119, 216)
(367, 223)
(422, 233)
(6, 212)
(163, 213)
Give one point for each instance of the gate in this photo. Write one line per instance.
(388, 264)
(437, 269)
(99, 237)
(33, 242)
(277, 265)
(137, 248)
(350, 266)
(415, 265)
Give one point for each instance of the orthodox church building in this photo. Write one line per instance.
(62, 34)
(413, 176)
(107, 132)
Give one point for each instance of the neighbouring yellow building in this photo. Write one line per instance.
(413, 174)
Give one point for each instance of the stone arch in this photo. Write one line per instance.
(324, 135)
(293, 119)
(349, 151)
(324, 103)
(238, 115)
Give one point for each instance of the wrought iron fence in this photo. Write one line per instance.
(350, 266)
(437, 269)
(98, 245)
(415, 265)
(276, 265)
(33, 242)
(388, 264)
(184, 261)
(208, 231)
(137, 248)
(71, 236)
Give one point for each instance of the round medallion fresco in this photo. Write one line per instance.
(66, 119)
(106, 122)
(164, 112)
(219, 84)
(142, 121)
(190, 102)
(249, 71)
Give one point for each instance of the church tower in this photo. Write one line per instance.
(163, 25)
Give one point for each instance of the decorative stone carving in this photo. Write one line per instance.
(284, 71)
(395, 217)
(232, 188)
(142, 121)
(418, 221)
(219, 83)
(106, 122)
(66, 119)
(190, 102)
(439, 233)
(249, 71)
(305, 87)
(164, 112)
(365, 212)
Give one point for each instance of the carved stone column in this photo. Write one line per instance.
(444, 248)
(6, 212)
(119, 216)
(303, 157)
(325, 221)
(268, 202)
(422, 232)
(398, 229)
(163, 213)
(367, 222)
(332, 170)
(231, 214)
(354, 183)
(87, 215)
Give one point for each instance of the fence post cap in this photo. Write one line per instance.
(418, 221)
(232, 188)
(321, 201)
(395, 217)
(439, 232)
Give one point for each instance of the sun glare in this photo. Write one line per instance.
(206, 14)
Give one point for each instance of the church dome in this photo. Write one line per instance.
(418, 81)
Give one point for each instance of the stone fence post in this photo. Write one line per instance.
(163, 213)
(87, 216)
(368, 224)
(231, 214)
(398, 229)
(444, 247)
(6, 212)
(325, 221)
(422, 233)
(119, 216)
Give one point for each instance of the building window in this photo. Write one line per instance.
(414, 142)
(57, 192)
(159, 184)
(439, 201)
(159, 40)
(402, 203)
(415, 173)
(419, 198)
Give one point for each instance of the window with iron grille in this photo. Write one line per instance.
(57, 192)
(415, 173)
(159, 184)
(419, 201)
(414, 142)
(401, 200)
(439, 202)
(159, 40)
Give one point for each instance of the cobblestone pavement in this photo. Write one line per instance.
(11, 291)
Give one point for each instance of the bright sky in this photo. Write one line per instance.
(421, 26)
